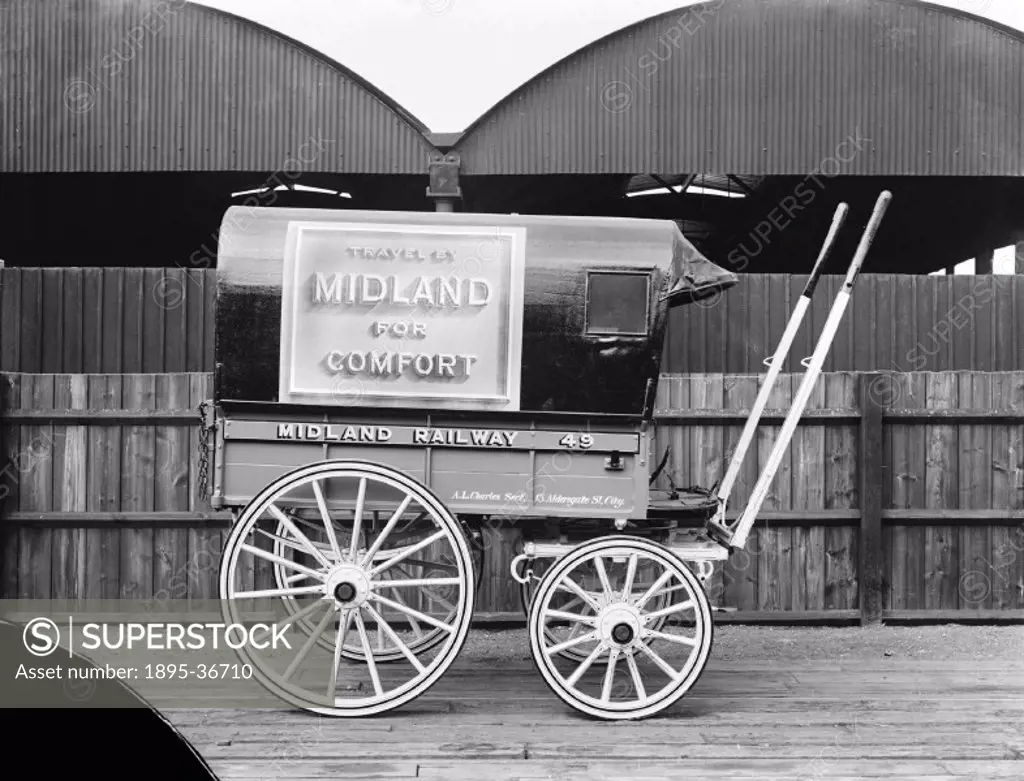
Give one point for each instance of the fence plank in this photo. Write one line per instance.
(708, 449)
(171, 489)
(137, 479)
(871, 469)
(841, 477)
(775, 591)
(941, 482)
(740, 571)
(1005, 449)
(10, 318)
(92, 320)
(204, 543)
(112, 320)
(975, 491)
(10, 439)
(69, 477)
(36, 493)
(194, 309)
(154, 309)
(809, 495)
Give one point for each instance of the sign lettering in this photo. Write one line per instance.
(402, 315)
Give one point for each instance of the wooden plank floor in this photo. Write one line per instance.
(791, 707)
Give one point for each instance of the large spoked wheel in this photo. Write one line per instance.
(624, 676)
(352, 588)
(590, 583)
(430, 563)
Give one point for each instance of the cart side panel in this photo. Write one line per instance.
(517, 472)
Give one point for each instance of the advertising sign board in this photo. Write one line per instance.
(402, 315)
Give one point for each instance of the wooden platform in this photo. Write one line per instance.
(811, 712)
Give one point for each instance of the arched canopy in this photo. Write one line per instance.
(771, 87)
(166, 85)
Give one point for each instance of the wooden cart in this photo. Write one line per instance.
(388, 382)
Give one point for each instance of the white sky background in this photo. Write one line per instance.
(448, 61)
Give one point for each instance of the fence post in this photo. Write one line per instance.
(871, 471)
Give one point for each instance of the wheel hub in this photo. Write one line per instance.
(349, 585)
(619, 625)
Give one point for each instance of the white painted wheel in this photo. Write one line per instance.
(590, 583)
(351, 590)
(624, 676)
(422, 566)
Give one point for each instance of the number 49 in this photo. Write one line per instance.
(569, 441)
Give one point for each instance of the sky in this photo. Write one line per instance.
(448, 61)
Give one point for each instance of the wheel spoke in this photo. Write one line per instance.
(290, 526)
(575, 617)
(672, 638)
(325, 516)
(585, 665)
(665, 666)
(368, 556)
(588, 637)
(407, 552)
(339, 644)
(627, 586)
(370, 664)
(410, 612)
(381, 623)
(568, 584)
(665, 611)
(421, 582)
(301, 614)
(265, 554)
(433, 596)
(443, 566)
(603, 576)
(609, 675)
(634, 673)
(283, 540)
(280, 592)
(415, 520)
(310, 642)
(357, 521)
(412, 621)
(666, 576)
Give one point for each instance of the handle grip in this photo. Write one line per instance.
(881, 205)
(826, 249)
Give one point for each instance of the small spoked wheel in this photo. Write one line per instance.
(634, 667)
(590, 583)
(369, 566)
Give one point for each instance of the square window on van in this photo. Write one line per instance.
(617, 303)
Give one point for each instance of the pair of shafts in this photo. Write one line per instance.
(734, 534)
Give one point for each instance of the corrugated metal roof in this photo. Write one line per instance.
(140, 85)
(763, 87)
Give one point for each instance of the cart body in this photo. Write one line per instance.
(507, 363)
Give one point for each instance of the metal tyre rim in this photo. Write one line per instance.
(623, 676)
(342, 588)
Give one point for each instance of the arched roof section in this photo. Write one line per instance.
(771, 87)
(167, 85)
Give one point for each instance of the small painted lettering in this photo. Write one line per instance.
(454, 436)
(333, 433)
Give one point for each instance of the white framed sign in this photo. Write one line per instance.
(402, 315)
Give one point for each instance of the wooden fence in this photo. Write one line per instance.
(902, 496)
(126, 320)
